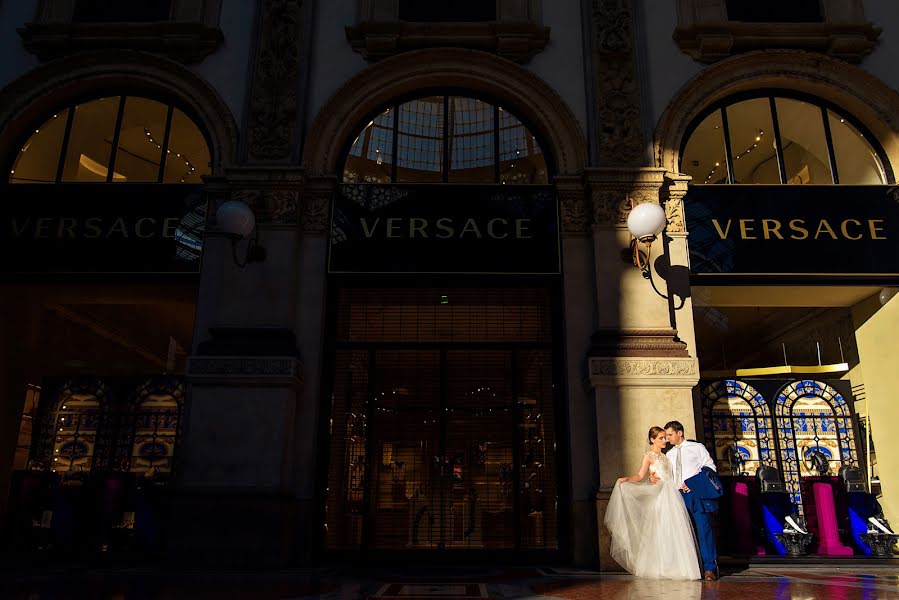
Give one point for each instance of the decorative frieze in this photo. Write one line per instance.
(274, 99)
(617, 85)
(643, 372)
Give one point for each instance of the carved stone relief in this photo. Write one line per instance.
(274, 98)
(615, 73)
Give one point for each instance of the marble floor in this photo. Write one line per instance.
(450, 583)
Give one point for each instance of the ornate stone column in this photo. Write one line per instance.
(640, 369)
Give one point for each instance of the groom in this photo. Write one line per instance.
(699, 489)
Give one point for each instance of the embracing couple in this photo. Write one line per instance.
(652, 523)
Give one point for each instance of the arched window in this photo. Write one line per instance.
(737, 426)
(452, 139)
(114, 139)
(815, 432)
(778, 138)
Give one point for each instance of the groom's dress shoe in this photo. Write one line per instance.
(709, 576)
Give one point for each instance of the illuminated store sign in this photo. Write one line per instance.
(444, 229)
(793, 230)
(102, 228)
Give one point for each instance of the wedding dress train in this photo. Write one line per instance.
(652, 534)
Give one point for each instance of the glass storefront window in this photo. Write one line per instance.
(471, 141)
(780, 140)
(806, 159)
(440, 139)
(857, 161)
(38, 158)
(89, 148)
(140, 140)
(420, 141)
(120, 139)
(752, 143)
(187, 155)
(704, 157)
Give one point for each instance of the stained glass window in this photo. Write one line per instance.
(157, 417)
(70, 427)
(815, 432)
(738, 427)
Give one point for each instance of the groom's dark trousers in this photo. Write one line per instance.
(702, 501)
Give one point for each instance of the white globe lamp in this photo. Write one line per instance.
(236, 219)
(646, 221)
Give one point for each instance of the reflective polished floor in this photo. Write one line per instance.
(450, 583)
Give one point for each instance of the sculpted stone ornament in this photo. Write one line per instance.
(615, 73)
(274, 99)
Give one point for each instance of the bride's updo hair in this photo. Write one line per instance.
(653, 432)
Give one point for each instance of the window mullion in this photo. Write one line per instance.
(831, 153)
(395, 150)
(115, 139)
(165, 144)
(778, 146)
(496, 174)
(70, 118)
(728, 154)
(446, 161)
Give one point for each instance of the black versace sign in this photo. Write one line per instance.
(444, 229)
(781, 230)
(102, 228)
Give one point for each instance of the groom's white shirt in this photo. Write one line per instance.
(694, 457)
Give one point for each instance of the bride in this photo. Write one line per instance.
(652, 535)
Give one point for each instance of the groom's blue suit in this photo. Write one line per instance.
(702, 501)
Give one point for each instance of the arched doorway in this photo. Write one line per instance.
(444, 378)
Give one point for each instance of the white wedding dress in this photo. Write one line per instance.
(652, 534)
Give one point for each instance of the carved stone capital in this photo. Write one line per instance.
(617, 84)
(317, 197)
(612, 190)
(613, 372)
(572, 205)
(676, 187)
(272, 192)
(274, 96)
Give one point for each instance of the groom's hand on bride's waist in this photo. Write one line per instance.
(653, 478)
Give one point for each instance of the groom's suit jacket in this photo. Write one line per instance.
(705, 491)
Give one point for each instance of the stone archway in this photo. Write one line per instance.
(854, 90)
(526, 95)
(44, 89)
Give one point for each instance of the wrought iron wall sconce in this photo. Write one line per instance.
(237, 222)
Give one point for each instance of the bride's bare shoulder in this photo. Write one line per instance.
(653, 455)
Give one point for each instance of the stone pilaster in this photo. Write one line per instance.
(641, 368)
